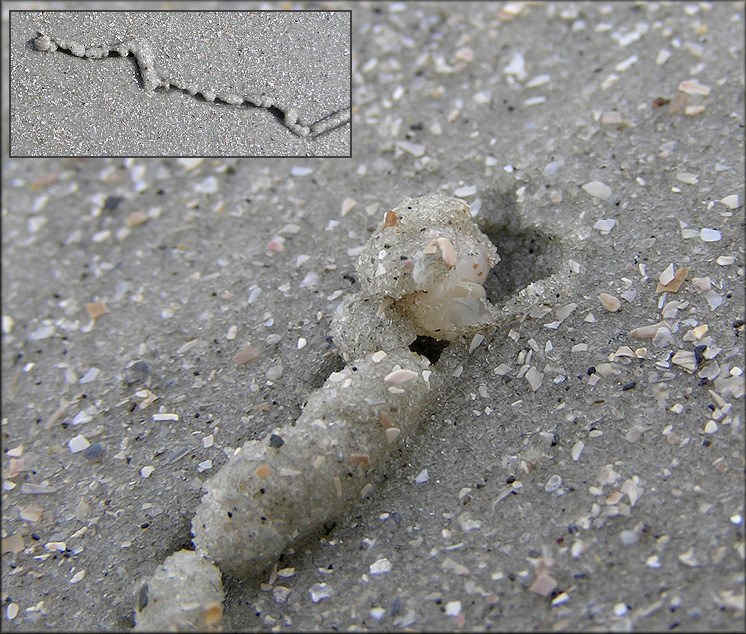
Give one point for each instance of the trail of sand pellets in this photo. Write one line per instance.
(152, 78)
(422, 274)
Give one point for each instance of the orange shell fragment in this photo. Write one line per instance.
(673, 286)
(391, 219)
(359, 459)
(96, 309)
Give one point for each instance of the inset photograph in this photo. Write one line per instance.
(180, 83)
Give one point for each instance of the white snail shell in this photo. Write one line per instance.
(432, 260)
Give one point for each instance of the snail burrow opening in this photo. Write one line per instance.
(527, 253)
(429, 347)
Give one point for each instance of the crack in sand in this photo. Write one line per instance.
(152, 79)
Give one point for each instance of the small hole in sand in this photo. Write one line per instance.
(527, 254)
(428, 347)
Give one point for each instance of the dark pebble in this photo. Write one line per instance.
(139, 371)
(112, 202)
(275, 441)
(178, 454)
(142, 597)
(395, 606)
(94, 452)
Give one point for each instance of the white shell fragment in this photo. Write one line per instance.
(544, 585)
(693, 87)
(687, 177)
(475, 342)
(89, 376)
(565, 311)
(380, 567)
(710, 235)
(577, 449)
(320, 591)
(78, 443)
(667, 275)
(534, 378)
(347, 206)
(415, 149)
(58, 546)
(448, 253)
(398, 377)
(516, 67)
(713, 299)
(703, 284)
(422, 477)
(685, 359)
(377, 613)
(648, 332)
(605, 225)
(12, 611)
(78, 576)
(597, 189)
(453, 608)
(731, 202)
(165, 417)
(466, 190)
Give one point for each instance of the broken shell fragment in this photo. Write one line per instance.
(609, 302)
(674, 281)
(400, 376)
(447, 251)
(648, 332)
(246, 354)
(666, 277)
(431, 248)
(390, 219)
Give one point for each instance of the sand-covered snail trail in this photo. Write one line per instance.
(421, 274)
